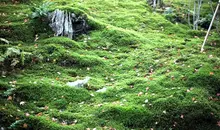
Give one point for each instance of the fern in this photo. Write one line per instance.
(16, 124)
(41, 10)
(12, 52)
(9, 92)
(15, 56)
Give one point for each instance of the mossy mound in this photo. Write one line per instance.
(146, 72)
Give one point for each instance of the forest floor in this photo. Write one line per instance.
(153, 71)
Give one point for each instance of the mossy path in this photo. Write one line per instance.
(153, 70)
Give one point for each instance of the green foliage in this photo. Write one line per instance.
(12, 55)
(41, 10)
(16, 124)
(168, 10)
(9, 92)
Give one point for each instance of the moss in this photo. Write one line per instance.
(47, 93)
(66, 42)
(131, 117)
(20, 1)
(153, 70)
(13, 32)
(196, 33)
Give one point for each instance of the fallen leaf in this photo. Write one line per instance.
(140, 94)
(147, 88)
(27, 114)
(25, 20)
(46, 108)
(39, 114)
(64, 123)
(182, 116)
(211, 73)
(36, 45)
(174, 124)
(25, 125)
(151, 78)
(9, 98)
(218, 123)
(196, 70)
(54, 119)
(210, 56)
(146, 101)
(22, 102)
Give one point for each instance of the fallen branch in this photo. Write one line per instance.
(210, 26)
(4, 40)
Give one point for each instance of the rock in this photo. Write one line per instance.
(102, 90)
(64, 23)
(78, 83)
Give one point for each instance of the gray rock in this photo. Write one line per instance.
(102, 90)
(67, 24)
(78, 83)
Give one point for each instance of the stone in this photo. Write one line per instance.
(102, 90)
(78, 83)
(67, 24)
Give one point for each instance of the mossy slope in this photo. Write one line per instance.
(153, 71)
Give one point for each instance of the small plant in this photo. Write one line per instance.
(13, 57)
(11, 54)
(41, 10)
(9, 92)
(168, 11)
(16, 124)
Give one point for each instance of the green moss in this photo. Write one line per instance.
(130, 117)
(153, 70)
(47, 92)
(13, 32)
(66, 42)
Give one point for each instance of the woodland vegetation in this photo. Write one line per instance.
(109, 65)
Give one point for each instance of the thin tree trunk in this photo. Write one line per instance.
(194, 16)
(210, 26)
(198, 13)
(154, 4)
(189, 13)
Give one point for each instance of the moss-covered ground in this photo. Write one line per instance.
(153, 70)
